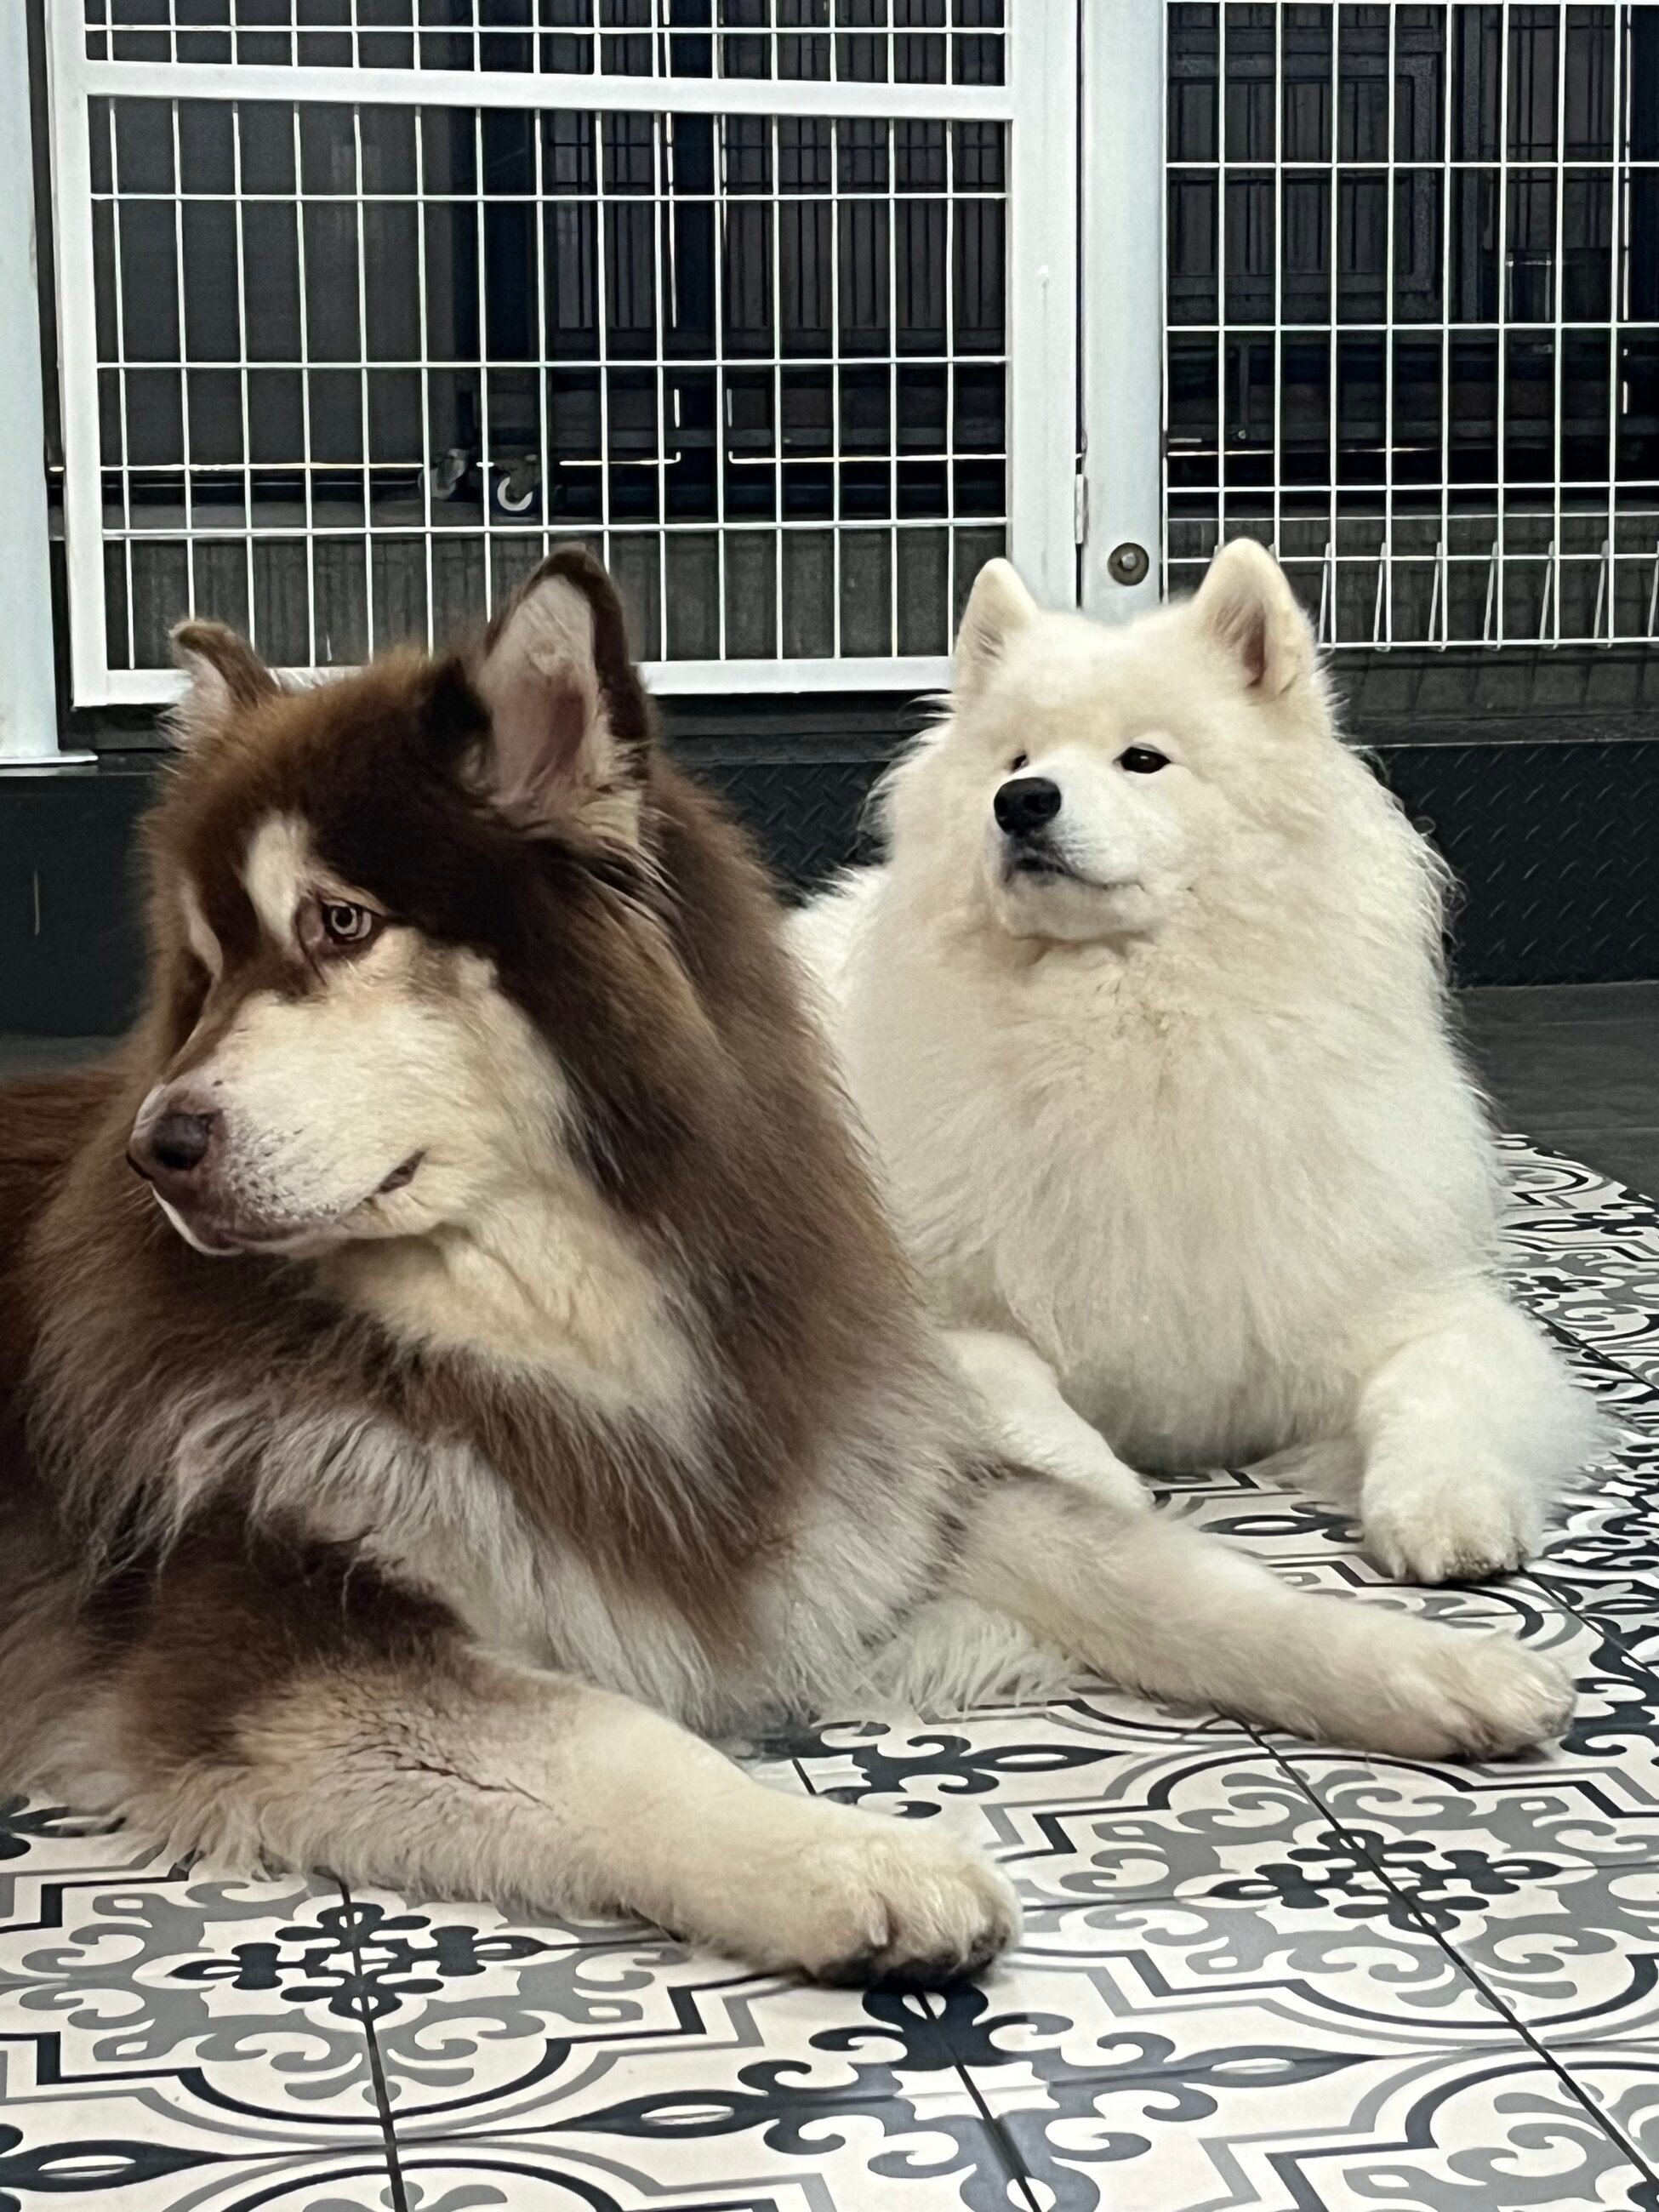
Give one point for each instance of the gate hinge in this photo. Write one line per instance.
(1079, 509)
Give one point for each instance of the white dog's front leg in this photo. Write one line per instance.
(1159, 1606)
(1029, 1414)
(1467, 1433)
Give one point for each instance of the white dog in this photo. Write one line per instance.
(1146, 1017)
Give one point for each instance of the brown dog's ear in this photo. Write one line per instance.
(570, 725)
(225, 675)
(1250, 611)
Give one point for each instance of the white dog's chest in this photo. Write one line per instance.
(1190, 1244)
(1172, 1301)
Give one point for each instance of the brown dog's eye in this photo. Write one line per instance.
(349, 925)
(328, 926)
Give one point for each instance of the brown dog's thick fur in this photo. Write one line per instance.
(523, 1361)
(702, 1117)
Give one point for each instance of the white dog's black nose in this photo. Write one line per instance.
(1025, 803)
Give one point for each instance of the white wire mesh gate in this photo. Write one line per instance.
(778, 304)
(363, 302)
(1412, 308)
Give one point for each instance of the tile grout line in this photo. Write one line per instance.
(376, 2063)
(1018, 2172)
(1598, 1624)
(1563, 1335)
(1566, 1159)
(1540, 1573)
(1352, 1844)
(1634, 1212)
(1535, 1202)
(1016, 2169)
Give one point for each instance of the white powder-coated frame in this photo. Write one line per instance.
(28, 697)
(1122, 248)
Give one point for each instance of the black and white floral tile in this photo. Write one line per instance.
(1253, 1975)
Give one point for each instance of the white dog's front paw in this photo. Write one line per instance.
(1446, 1527)
(1464, 1696)
(863, 1899)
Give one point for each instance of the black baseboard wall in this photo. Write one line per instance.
(1549, 817)
(70, 943)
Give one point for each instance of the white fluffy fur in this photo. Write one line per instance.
(1188, 1120)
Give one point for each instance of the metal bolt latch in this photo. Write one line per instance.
(1128, 563)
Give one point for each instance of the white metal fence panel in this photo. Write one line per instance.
(1412, 312)
(364, 302)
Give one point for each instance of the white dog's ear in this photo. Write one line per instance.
(998, 608)
(223, 674)
(1250, 609)
(569, 725)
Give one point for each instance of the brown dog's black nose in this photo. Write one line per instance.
(1025, 803)
(174, 1146)
(180, 1141)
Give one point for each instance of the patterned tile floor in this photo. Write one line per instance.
(1254, 1974)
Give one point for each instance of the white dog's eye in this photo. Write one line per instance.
(1018, 762)
(1143, 759)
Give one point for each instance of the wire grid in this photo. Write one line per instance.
(1412, 286)
(360, 366)
(836, 41)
